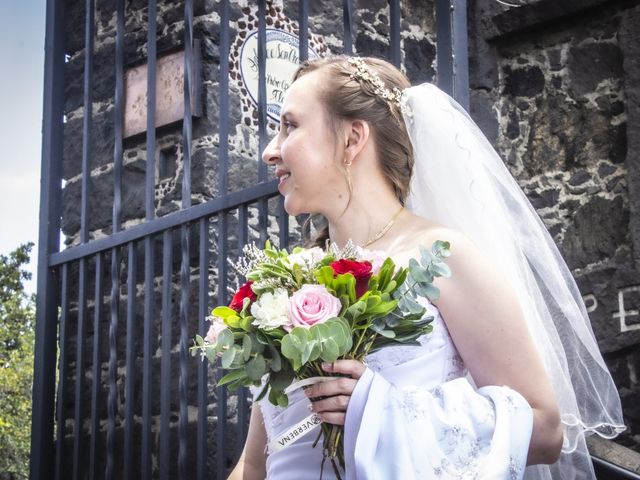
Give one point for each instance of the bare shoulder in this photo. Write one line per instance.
(422, 232)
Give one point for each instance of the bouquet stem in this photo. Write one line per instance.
(333, 447)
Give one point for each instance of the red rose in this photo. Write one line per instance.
(360, 270)
(243, 292)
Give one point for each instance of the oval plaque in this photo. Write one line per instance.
(281, 63)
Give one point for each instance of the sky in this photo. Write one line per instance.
(22, 25)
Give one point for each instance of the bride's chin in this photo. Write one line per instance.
(294, 208)
(291, 208)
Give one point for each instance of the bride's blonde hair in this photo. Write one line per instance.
(348, 97)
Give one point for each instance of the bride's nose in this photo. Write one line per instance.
(271, 153)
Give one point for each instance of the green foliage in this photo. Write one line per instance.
(17, 318)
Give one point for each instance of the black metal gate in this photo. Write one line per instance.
(116, 392)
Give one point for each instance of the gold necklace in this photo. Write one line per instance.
(384, 229)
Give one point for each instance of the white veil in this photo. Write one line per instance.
(460, 181)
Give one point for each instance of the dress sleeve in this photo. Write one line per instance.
(451, 431)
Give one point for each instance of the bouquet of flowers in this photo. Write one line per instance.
(300, 309)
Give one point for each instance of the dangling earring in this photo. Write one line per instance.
(347, 167)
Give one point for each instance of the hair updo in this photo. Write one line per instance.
(348, 98)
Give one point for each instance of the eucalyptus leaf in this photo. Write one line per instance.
(289, 349)
(337, 333)
(262, 393)
(276, 359)
(282, 379)
(228, 357)
(441, 248)
(256, 367)
(278, 398)
(246, 347)
(432, 292)
(441, 269)
(225, 338)
(211, 355)
(330, 351)
(420, 275)
(426, 257)
(308, 352)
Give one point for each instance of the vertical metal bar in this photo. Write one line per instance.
(97, 368)
(112, 405)
(243, 225)
(84, 232)
(165, 360)
(41, 462)
(223, 152)
(221, 455)
(203, 390)
(62, 376)
(262, 113)
(394, 30)
(186, 123)
(118, 117)
(184, 351)
(130, 360)
(147, 352)
(148, 242)
(184, 234)
(243, 404)
(460, 53)
(303, 22)
(283, 224)
(347, 21)
(452, 56)
(79, 362)
(262, 86)
(150, 185)
(117, 220)
(444, 45)
(87, 118)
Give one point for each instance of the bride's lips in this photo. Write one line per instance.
(282, 175)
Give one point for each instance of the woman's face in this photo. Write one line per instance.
(304, 152)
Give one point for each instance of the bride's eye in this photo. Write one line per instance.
(287, 126)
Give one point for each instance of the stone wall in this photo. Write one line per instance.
(554, 85)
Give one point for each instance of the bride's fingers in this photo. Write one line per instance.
(337, 418)
(337, 403)
(353, 368)
(339, 386)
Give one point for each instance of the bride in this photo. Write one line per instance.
(510, 375)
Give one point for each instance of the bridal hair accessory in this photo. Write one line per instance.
(460, 181)
(391, 97)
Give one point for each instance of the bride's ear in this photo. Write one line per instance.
(356, 137)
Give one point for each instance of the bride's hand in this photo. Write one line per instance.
(333, 395)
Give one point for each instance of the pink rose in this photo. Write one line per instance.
(217, 325)
(312, 305)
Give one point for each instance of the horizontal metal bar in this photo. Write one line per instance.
(612, 471)
(208, 209)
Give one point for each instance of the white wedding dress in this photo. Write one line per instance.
(414, 414)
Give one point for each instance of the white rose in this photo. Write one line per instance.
(271, 310)
(307, 257)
